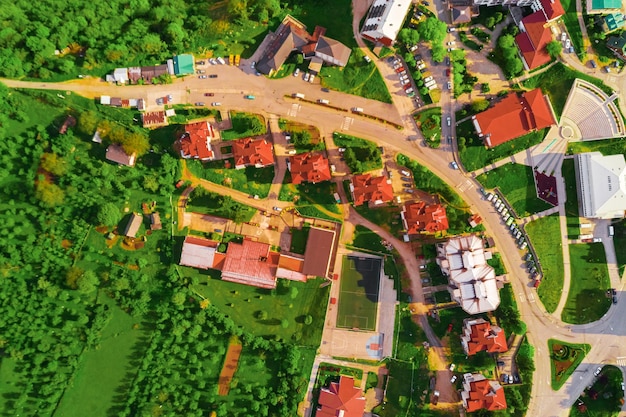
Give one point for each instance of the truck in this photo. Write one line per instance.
(298, 95)
(585, 225)
(337, 199)
(584, 237)
(611, 231)
(357, 109)
(323, 101)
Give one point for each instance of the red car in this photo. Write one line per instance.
(447, 72)
(209, 94)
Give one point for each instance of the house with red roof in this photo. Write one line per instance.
(371, 190)
(514, 116)
(532, 40)
(420, 217)
(195, 141)
(309, 167)
(479, 335)
(553, 9)
(480, 393)
(250, 263)
(341, 399)
(253, 152)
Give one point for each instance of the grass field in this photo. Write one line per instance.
(112, 365)
(475, 155)
(570, 18)
(220, 206)
(605, 146)
(587, 300)
(619, 241)
(429, 122)
(557, 82)
(366, 239)
(571, 204)
(516, 182)
(358, 77)
(564, 359)
(244, 303)
(358, 294)
(545, 235)
(387, 217)
(315, 200)
(251, 180)
(604, 398)
(363, 156)
(242, 126)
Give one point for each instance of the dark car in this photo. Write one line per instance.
(613, 292)
(615, 299)
(406, 179)
(209, 94)
(326, 90)
(500, 363)
(212, 75)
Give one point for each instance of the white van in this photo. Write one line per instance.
(611, 231)
(298, 95)
(449, 121)
(357, 109)
(405, 173)
(323, 101)
(585, 225)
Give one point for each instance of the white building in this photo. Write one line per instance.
(471, 281)
(120, 75)
(601, 185)
(384, 20)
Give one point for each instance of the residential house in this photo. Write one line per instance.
(479, 335)
(149, 73)
(309, 167)
(617, 44)
(321, 246)
(475, 220)
(133, 225)
(341, 399)
(253, 152)
(134, 74)
(514, 116)
(120, 75)
(195, 141)
(601, 185)
(471, 281)
(612, 22)
(532, 40)
(198, 252)
(155, 221)
(384, 20)
(371, 190)
(70, 121)
(116, 102)
(460, 14)
(552, 9)
(153, 119)
(115, 153)
(420, 217)
(105, 100)
(480, 393)
(332, 51)
(183, 64)
(250, 263)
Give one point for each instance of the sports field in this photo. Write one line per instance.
(358, 293)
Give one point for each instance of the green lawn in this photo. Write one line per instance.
(429, 122)
(366, 239)
(587, 300)
(570, 18)
(112, 365)
(330, 14)
(298, 239)
(557, 82)
(545, 235)
(220, 206)
(387, 217)
(619, 242)
(496, 263)
(358, 293)
(361, 155)
(516, 182)
(564, 359)
(250, 180)
(605, 147)
(315, 200)
(243, 303)
(604, 398)
(244, 125)
(474, 154)
(571, 204)
(358, 78)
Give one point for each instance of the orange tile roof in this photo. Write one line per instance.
(341, 399)
(552, 8)
(514, 116)
(309, 167)
(195, 142)
(532, 43)
(254, 152)
(486, 394)
(250, 263)
(368, 189)
(480, 336)
(291, 263)
(420, 217)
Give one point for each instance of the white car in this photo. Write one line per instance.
(312, 78)
(296, 72)
(452, 367)
(404, 82)
(453, 379)
(451, 43)
(597, 371)
(216, 103)
(278, 209)
(306, 77)
(563, 36)
(568, 43)
(449, 85)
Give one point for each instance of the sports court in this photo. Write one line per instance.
(358, 293)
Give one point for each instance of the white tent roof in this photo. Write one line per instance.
(197, 256)
(602, 183)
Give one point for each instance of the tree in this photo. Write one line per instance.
(554, 49)
(479, 105)
(108, 215)
(54, 164)
(409, 36)
(50, 195)
(135, 143)
(432, 29)
(438, 52)
(72, 275)
(87, 282)
(293, 293)
(485, 88)
(308, 319)
(284, 323)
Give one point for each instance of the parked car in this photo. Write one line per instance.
(249, 97)
(406, 179)
(500, 363)
(278, 209)
(454, 165)
(453, 379)
(216, 103)
(200, 103)
(306, 77)
(597, 371)
(212, 75)
(209, 94)
(296, 72)
(452, 367)
(202, 77)
(200, 71)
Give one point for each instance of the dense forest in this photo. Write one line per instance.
(50, 38)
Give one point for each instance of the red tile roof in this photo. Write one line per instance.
(532, 43)
(368, 189)
(478, 335)
(420, 217)
(309, 167)
(341, 399)
(250, 263)
(552, 8)
(254, 152)
(153, 118)
(115, 153)
(514, 116)
(485, 394)
(195, 141)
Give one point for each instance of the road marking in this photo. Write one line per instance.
(522, 298)
(465, 185)
(347, 122)
(531, 298)
(621, 360)
(294, 110)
